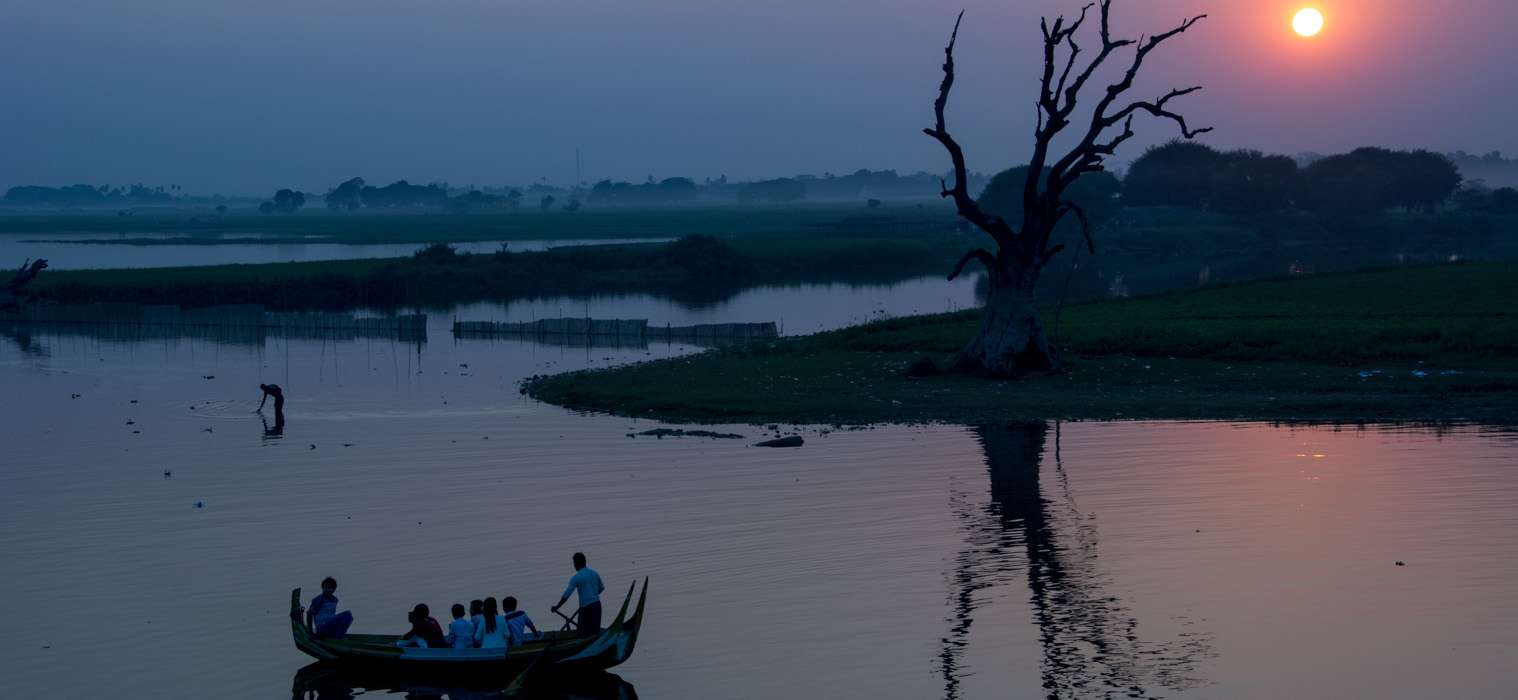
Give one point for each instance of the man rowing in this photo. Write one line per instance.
(585, 583)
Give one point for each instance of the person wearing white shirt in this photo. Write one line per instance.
(490, 632)
(586, 583)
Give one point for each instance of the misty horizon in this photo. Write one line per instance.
(476, 93)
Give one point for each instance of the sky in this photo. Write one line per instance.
(244, 96)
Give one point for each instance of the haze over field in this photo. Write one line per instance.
(241, 97)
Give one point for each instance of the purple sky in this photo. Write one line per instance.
(237, 96)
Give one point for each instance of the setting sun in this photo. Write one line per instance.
(1307, 22)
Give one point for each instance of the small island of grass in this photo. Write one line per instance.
(1417, 344)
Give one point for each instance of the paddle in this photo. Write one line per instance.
(569, 620)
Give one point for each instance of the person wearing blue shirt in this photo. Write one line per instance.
(322, 618)
(586, 583)
(518, 623)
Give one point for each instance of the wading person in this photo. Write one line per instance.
(586, 583)
(322, 618)
(279, 409)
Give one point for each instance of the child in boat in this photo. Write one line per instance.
(322, 618)
(517, 623)
(476, 614)
(490, 633)
(587, 584)
(461, 630)
(424, 632)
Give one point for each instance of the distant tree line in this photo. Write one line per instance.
(668, 190)
(88, 195)
(1190, 174)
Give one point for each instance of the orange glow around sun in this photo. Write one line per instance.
(1307, 22)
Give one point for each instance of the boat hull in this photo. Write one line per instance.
(558, 653)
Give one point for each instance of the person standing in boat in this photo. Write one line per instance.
(586, 583)
(322, 618)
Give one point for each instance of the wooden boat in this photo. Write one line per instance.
(557, 653)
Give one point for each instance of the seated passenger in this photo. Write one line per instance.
(517, 623)
(424, 631)
(490, 633)
(322, 618)
(461, 630)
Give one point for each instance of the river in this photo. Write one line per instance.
(153, 526)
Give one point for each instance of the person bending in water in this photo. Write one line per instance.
(587, 584)
(279, 409)
(322, 618)
(277, 393)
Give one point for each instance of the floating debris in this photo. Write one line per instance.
(662, 433)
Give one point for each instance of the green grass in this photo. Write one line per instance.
(320, 226)
(1341, 347)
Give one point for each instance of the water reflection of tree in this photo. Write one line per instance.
(1090, 640)
(324, 681)
(25, 342)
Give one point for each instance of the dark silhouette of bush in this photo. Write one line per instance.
(404, 195)
(1177, 174)
(346, 196)
(1095, 193)
(1250, 182)
(1368, 180)
(288, 201)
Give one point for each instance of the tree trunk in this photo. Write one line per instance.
(1011, 340)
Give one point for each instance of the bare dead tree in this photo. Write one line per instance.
(1011, 339)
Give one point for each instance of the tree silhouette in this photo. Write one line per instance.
(1011, 339)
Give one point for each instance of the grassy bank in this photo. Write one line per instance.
(192, 226)
(693, 269)
(1435, 343)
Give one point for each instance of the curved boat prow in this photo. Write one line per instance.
(615, 644)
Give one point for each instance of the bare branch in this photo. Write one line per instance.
(1087, 155)
(1068, 206)
(981, 254)
(966, 205)
(1157, 108)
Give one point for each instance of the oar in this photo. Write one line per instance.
(569, 620)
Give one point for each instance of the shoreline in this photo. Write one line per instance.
(1379, 346)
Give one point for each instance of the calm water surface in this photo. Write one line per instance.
(64, 255)
(1192, 560)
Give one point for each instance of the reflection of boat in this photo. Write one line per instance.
(329, 681)
(558, 653)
